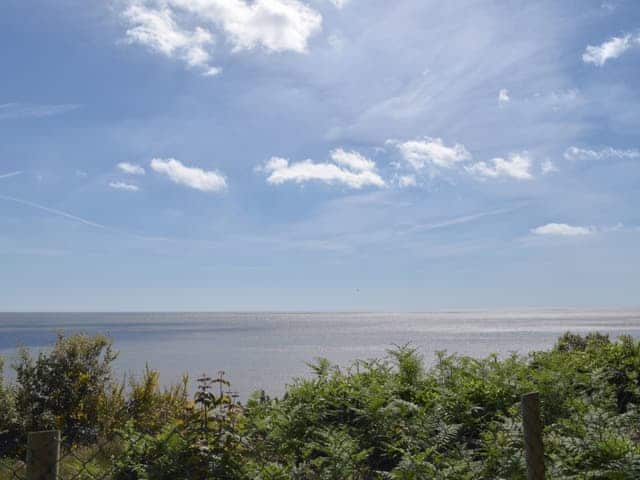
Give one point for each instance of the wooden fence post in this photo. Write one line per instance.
(533, 447)
(43, 455)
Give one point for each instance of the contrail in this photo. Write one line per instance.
(464, 219)
(52, 210)
(89, 223)
(12, 174)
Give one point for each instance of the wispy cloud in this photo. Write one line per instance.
(548, 167)
(10, 174)
(383, 225)
(577, 153)
(348, 168)
(612, 48)
(29, 110)
(131, 168)
(406, 181)
(129, 187)
(53, 211)
(84, 221)
(563, 230)
(339, 3)
(450, 222)
(192, 177)
(503, 96)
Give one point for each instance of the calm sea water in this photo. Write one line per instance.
(266, 350)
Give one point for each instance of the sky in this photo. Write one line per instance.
(319, 154)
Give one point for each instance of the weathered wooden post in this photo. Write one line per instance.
(43, 455)
(533, 447)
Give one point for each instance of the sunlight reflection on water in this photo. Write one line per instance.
(266, 350)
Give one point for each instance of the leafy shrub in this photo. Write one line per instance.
(389, 418)
(64, 388)
(9, 424)
(206, 443)
(151, 407)
(461, 418)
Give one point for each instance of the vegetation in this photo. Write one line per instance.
(390, 418)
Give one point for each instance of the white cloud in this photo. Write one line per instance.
(339, 3)
(124, 186)
(503, 96)
(432, 152)
(183, 28)
(518, 166)
(212, 72)
(562, 230)
(158, 30)
(192, 177)
(405, 181)
(336, 41)
(612, 48)
(131, 168)
(276, 25)
(548, 167)
(577, 153)
(348, 168)
(29, 110)
(563, 98)
(353, 160)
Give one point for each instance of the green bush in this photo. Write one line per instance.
(389, 418)
(148, 406)
(206, 442)
(9, 423)
(64, 388)
(461, 418)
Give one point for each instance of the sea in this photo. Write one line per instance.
(267, 351)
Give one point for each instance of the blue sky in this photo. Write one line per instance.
(319, 154)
